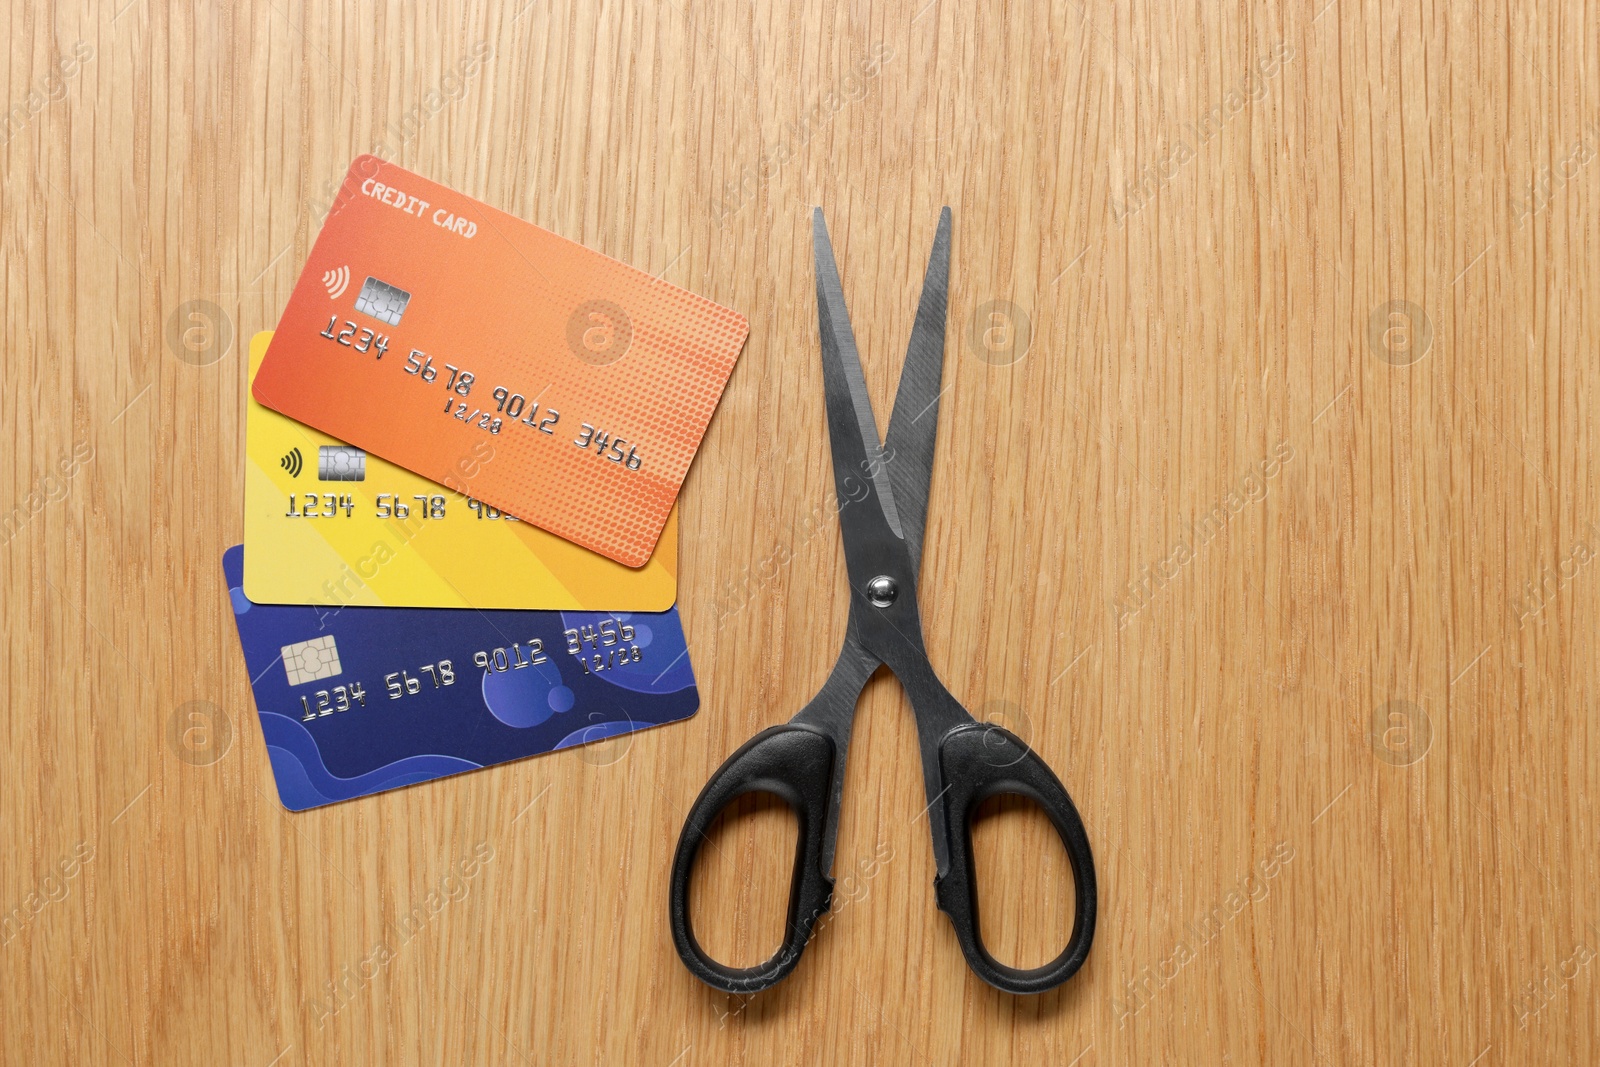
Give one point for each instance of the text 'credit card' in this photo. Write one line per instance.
(500, 360)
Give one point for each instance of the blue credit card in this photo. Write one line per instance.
(357, 700)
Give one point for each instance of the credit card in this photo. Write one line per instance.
(500, 360)
(328, 524)
(356, 701)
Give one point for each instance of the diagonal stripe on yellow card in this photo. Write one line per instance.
(327, 524)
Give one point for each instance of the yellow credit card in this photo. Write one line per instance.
(327, 524)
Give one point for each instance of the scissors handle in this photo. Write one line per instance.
(979, 761)
(795, 763)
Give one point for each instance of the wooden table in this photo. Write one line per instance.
(1264, 507)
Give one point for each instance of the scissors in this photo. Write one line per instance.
(881, 490)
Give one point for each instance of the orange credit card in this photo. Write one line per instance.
(496, 358)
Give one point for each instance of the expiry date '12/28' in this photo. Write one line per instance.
(509, 407)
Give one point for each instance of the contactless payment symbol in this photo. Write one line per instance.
(336, 281)
(590, 382)
(471, 554)
(311, 661)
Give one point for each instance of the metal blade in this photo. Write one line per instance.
(857, 452)
(914, 424)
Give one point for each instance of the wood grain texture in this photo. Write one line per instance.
(1295, 589)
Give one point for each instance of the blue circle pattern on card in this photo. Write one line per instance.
(445, 690)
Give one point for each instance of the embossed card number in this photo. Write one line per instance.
(427, 326)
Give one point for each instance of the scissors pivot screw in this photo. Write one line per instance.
(964, 762)
(882, 590)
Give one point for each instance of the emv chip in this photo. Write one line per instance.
(382, 301)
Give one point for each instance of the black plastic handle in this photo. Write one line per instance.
(978, 762)
(795, 763)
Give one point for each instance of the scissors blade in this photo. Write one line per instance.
(914, 424)
(852, 429)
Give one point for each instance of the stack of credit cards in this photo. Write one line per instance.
(465, 443)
